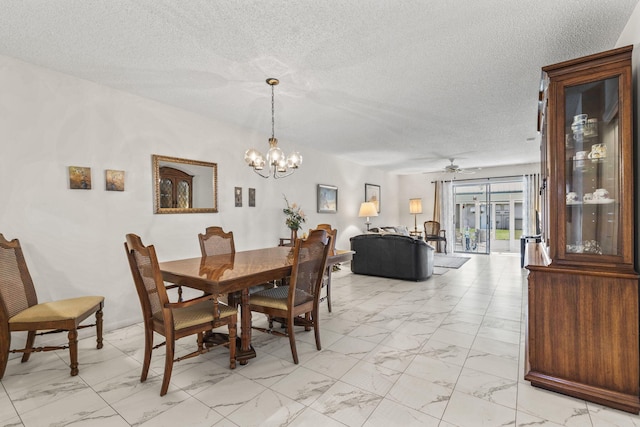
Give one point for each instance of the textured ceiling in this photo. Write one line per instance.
(399, 85)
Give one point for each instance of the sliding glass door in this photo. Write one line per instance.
(472, 217)
(488, 216)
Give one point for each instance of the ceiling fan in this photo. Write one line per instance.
(453, 168)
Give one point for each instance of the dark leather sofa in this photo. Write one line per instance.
(392, 255)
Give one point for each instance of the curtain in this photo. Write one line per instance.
(446, 212)
(531, 204)
(436, 202)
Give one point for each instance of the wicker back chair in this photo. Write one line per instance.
(326, 281)
(215, 241)
(20, 310)
(173, 320)
(297, 303)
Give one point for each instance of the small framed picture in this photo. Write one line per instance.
(238, 197)
(79, 178)
(114, 180)
(327, 199)
(252, 197)
(372, 194)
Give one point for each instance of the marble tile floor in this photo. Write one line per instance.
(444, 352)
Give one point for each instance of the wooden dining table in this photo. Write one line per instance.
(237, 272)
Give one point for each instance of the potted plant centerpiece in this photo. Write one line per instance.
(294, 218)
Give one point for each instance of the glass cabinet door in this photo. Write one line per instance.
(592, 149)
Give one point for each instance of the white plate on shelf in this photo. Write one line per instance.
(599, 201)
(574, 202)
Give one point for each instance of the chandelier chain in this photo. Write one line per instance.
(273, 115)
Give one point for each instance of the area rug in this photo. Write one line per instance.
(449, 261)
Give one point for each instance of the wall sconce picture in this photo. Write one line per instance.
(79, 178)
(114, 180)
(238, 197)
(327, 199)
(252, 197)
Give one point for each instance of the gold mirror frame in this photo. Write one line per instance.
(188, 166)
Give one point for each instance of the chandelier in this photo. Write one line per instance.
(276, 163)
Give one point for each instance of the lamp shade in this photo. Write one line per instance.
(415, 206)
(367, 209)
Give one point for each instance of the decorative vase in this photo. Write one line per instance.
(294, 236)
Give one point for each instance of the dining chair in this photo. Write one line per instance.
(174, 320)
(326, 280)
(298, 302)
(215, 241)
(433, 233)
(20, 310)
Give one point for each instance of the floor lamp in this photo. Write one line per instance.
(415, 208)
(367, 209)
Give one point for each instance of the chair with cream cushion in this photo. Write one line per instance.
(174, 320)
(20, 310)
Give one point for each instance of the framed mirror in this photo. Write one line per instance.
(184, 186)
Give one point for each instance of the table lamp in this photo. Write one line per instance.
(415, 208)
(367, 209)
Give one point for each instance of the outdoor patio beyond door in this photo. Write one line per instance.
(488, 216)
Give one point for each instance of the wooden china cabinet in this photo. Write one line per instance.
(583, 318)
(176, 188)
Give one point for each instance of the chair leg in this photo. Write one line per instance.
(148, 348)
(233, 328)
(31, 337)
(99, 329)
(73, 351)
(168, 364)
(316, 329)
(329, 288)
(292, 339)
(5, 345)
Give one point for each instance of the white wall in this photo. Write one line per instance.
(73, 239)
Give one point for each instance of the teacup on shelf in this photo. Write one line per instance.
(591, 128)
(598, 151)
(572, 197)
(600, 194)
(579, 122)
(579, 158)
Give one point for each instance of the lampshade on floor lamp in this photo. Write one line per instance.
(415, 208)
(367, 209)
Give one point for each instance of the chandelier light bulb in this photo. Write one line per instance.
(294, 160)
(251, 155)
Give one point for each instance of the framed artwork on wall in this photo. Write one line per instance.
(252, 197)
(372, 194)
(79, 178)
(327, 198)
(114, 180)
(238, 197)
